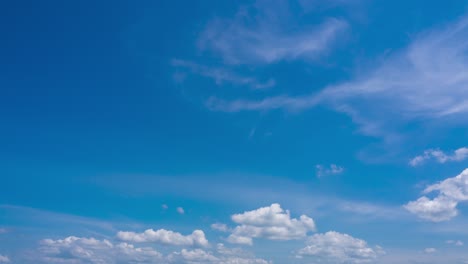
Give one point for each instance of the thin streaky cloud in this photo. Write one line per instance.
(426, 80)
(221, 75)
(258, 35)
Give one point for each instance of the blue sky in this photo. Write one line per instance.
(218, 132)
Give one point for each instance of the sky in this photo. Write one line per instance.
(234, 132)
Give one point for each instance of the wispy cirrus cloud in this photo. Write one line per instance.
(264, 33)
(426, 80)
(439, 156)
(222, 75)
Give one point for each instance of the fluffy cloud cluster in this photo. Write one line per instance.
(197, 238)
(270, 222)
(221, 256)
(455, 242)
(90, 250)
(440, 156)
(444, 206)
(322, 171)
(4, 259)
(334, 247)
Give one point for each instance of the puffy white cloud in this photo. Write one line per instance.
(325, 171)
(430, 250)
(334, 247)
(197, 238)
(444, 206)
(220, 227)
(180, 210)
(270, 222)
(4, 259)
(222, 256)
(90, 250)
(440, 156)
(454, 242)
(261, 33)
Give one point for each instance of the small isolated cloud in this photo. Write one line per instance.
(4, 259)
(164, 206)
(454, 242)
(444, 206)
(167, 237)
(271, 222)
(261, 34)
(90, 250)
(334, 247)
(430, 250)
(333, 169)
(180, 210)
(220, 227)
(3, 231)
(220, 75)
(439, 156)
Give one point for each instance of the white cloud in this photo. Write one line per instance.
(430, 250)
(222, 256)
(334, 247)
(440, 156)
(220, 227)
(164, 207)
(454, 242)
(444, 206)
(325, 171)
(261, 33)
(427, 80)
(270, 222)
(4, 259)
(90, 250)
(197, 238)
(180, 210)
(222, 75)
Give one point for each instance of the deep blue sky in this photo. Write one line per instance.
(123, 116)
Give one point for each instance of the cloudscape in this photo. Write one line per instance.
(234, 132)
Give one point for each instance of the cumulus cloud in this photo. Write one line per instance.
(4, 259)
(270, 222)
(454, 242)
(90, 250)
(180, 210)
(440, 156)
(261, 34)
(426, 80)
(220, 227)
(197, 238)
(221, 75)
(444, 206)
(334, 247)
(333, 169)
(222, 256)
(430, 250)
